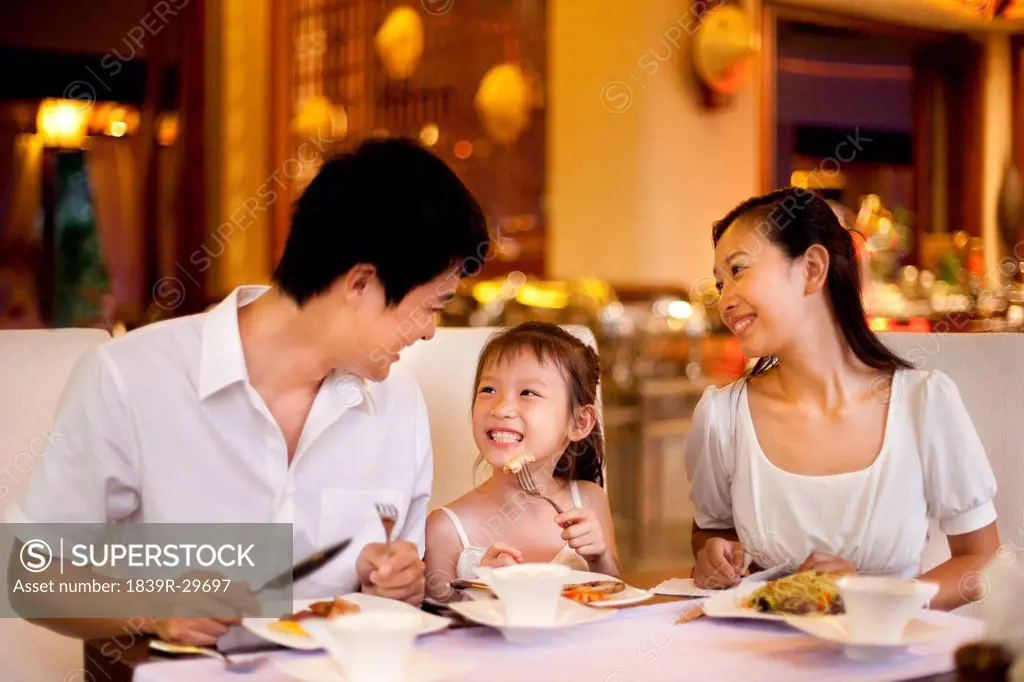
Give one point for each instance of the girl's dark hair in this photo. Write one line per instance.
(582, 460)
(795, 219)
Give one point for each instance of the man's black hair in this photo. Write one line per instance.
(392, 204)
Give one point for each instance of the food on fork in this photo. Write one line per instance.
(598, 590)
(807, 592)
(328, 608)
(518, 462)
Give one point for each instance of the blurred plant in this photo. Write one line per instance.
(81, 275)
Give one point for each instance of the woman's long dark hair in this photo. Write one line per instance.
(582, 460)
(795, 219)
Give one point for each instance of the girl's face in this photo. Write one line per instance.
(521, 406)
(762, 292)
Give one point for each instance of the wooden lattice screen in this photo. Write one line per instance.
(332, 54)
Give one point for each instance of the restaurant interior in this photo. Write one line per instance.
(150, 153)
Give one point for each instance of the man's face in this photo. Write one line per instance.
(381, 332)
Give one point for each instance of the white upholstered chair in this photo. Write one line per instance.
(986, 370)
(34, 367)
(444, 367)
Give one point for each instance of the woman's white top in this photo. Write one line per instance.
(470, 556)
(931, 466)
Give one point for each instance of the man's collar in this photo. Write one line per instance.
(222, 362)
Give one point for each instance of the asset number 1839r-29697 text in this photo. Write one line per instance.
(183, 585)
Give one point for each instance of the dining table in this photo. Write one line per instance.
(645, 642)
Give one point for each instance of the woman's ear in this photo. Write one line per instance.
(816, 262)
(583, 423)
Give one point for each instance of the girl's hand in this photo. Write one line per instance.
(719, 564)
(499, 554)
(582, 530)
(827, 563)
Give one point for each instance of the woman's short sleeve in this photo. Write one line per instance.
(958, 479)
(709, 460)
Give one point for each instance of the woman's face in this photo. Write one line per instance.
(762, 292)
(521, 406)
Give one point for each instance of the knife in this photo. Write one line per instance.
(308, 565)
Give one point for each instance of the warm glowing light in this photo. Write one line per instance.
(536, 296)
(399, 42)
(117, 128)
(430, 134)
(879, 324)
(61, 123)
(681, 310)
(486, 292)
(167, 130)
(318, 117)
(503, 102)
(463, 149)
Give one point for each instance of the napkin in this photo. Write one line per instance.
(684, 587)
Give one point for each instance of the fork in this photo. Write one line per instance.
(388, 517)
(529, 487)
(231, 664)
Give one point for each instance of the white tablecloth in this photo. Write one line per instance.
(641, 644)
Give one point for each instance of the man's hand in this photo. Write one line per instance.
(398, 575)
(197, 618)
(719, 564)
(827, 563)
(192, 631)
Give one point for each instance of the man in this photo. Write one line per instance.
(278, 405)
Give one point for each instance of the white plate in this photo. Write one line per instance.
(630, 595)
(491, 613)
(366, 602)
(422, 668)
(831, 629)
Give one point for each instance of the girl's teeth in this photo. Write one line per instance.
(505, 437)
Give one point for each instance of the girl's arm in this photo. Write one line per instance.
(442, 555)
(958, 577)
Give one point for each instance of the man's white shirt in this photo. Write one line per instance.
(163, 426)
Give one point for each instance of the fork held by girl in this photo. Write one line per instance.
(535, 395)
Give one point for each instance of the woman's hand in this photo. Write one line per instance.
(719, 564)
(499, 554)
(826, 563)
(582, 530)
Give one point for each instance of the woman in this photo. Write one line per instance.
(832, 453)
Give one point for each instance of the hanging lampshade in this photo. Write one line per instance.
(317, 117)
(399, 42)
(503, 102)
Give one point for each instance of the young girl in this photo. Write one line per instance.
(833, 453)
(536, 386)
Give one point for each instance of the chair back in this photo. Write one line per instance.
(445, 368)
(986, 370)
(34, 366)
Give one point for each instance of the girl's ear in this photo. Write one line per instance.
(583, 422)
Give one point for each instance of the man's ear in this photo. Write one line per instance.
(358, 279)
(583, 423)
(815, 268)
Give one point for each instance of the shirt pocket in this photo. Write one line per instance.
(352, 513)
